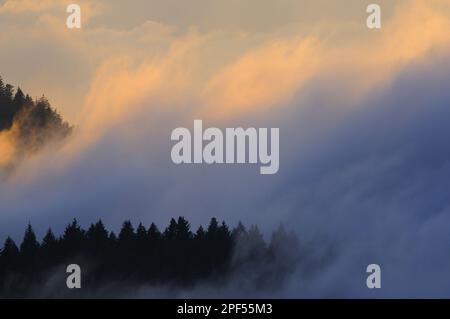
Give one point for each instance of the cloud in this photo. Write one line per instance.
(21, 6)
(7, 147)
(249, 82)
(45, 7)
(234, 71)
(270, 76)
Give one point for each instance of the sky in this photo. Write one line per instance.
(364, 154)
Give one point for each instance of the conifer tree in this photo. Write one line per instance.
(153, 233)
(127, 234)
(73, 238)
(170, 233)
(30, 245)
(9, 251)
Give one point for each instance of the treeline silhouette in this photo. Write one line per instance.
(176, 256)
(36, 121)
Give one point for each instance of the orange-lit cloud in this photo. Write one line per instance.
(268, 76)
(119, 82)
(89, 8)
(7, 148)
(133, 73)
(263, 77)
(415, 30)
(21, 6)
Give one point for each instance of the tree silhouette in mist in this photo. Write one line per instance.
(177, 256)
(35, 121)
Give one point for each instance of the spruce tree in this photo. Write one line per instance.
(30, 245)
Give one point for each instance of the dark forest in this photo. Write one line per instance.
(175, 257)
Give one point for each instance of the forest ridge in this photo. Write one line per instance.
(145, 256)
